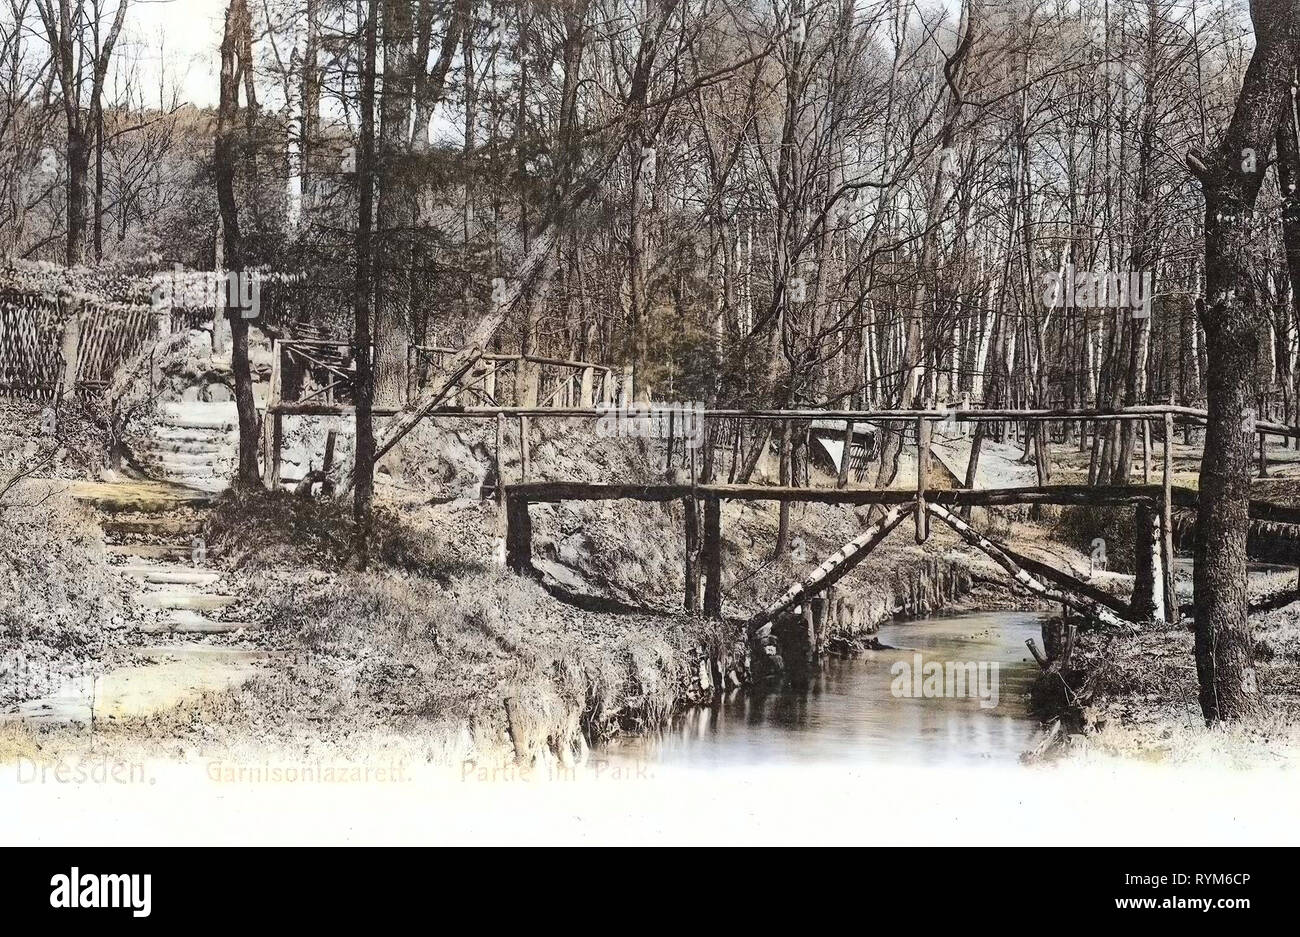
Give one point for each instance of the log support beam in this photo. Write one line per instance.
(833, 568)
(713, 557)
(1084, 606)
(691, 601)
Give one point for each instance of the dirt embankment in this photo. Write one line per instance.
(439, 651)
(1136, 695)
(436, 650)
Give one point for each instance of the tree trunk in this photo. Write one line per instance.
(396, 214)
(236, 57)
(1231, 178)
(363, 297)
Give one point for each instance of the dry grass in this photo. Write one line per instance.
(57, 594)
(1139, 698)
(491, 659)
(18, 741)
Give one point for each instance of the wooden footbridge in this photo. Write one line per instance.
(1155, 580)
(473, 386)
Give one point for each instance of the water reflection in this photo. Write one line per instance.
(848, 714)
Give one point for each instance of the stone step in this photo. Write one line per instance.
(183, 621)
(200, 467)
(184, 447)
(154, 680)
(211, 484)
(151, 551)
(170, 575)
(194, 415)
(152, 526)
(141, 496)
(173, 600)
(171, 433)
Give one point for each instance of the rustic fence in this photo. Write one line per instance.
(39, 331)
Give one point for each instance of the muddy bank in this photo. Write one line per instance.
(1136, 695)
(437, 651)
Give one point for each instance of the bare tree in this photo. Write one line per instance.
(1231, 175)
(82, 50)
(236, 64)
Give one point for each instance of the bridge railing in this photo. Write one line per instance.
(522, 380)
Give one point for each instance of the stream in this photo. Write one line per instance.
(859, 711)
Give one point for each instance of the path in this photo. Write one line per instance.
(194, 444)
(178, 601)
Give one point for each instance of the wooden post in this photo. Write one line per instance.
(1263, 459)
(1147, 603)
(692, 600)
(499, 465)
(519, 536)
(1146, 452)
(499, 543)
(490, 382)
(272, 427)
(1167, 525)
(668, 459)
(523, 448)
(588, 379)
(921, 516)
(713, 557)
(68, 348)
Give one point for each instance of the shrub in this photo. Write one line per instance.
(1080, 524)
(54, 584)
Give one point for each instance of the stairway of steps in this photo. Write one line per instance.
(149, 528)
(150, 532)
(194, 444)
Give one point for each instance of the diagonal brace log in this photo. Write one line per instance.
(1065, 596)
(463, 361)
(833, 568)
(1066, 581)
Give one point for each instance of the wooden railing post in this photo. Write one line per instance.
(523, 448)
(692, 599)
(1167, 524)
(713, 557)
(1148, 602)
(588, 377)
(519, 536)
(922, 517)
(499, 463)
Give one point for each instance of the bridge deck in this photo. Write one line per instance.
(554, 491)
